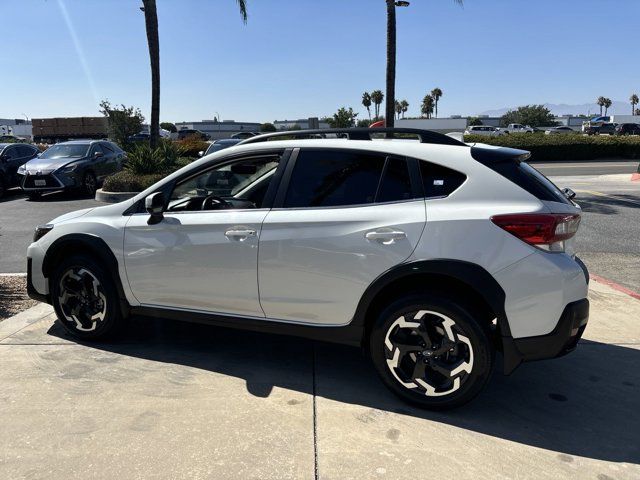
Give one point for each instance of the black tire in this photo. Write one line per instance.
(89, 184)
(462, 347)
(3, 188)
(85, 299)
(34, 195)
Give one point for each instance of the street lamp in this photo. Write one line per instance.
(391, 60)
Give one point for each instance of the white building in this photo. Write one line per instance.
(223, 129)
(301, 123)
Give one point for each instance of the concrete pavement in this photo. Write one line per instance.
(175, 400)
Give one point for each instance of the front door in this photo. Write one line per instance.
(346, 218)
(203, 254)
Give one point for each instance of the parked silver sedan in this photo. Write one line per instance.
(560, 131)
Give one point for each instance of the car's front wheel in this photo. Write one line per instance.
(431, 351)
(89, 184)
(85, 298)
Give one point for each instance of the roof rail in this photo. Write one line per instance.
(426, 136)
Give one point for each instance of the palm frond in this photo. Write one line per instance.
(242, 5)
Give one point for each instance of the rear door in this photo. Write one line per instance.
(110, 159)
(341, 218)
(13, 158)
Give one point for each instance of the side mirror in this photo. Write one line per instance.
(154, 204)
(98, 155)
(570, 194)
(201, 153)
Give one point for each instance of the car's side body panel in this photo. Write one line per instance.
(315, 264)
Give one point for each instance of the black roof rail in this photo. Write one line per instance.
(426, 136)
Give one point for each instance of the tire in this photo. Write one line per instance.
(34, 195)
(85, 299)
(89, 184)
(3, 188)
(456, 367)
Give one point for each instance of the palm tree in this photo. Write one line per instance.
(377, 97)
(366, 102)
(634, 101)
(405, 107)
(151, 25)
(391, 56)
(607, 104)
(600, 102)
(436, 93)
(427, 106)
(398, 108)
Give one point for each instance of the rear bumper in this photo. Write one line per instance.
(562, 340)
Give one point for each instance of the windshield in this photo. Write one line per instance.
(66, 151)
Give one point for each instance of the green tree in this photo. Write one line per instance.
(366, 102)
(532, 115)
(377, 97)
(123, 121)
(267, 127)
(436, 93)
(169, 126)
(364, 123)
(607, 104)
(600, 102)
(427, 106)
(405, 107)
(151, 26)
(343, 118)
(473, 121)
(633, 99)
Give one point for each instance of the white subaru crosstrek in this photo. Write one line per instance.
(431, 255)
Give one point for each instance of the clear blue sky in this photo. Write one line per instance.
(307, 57)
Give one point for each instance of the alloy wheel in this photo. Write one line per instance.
(428, 353)
(82, 299)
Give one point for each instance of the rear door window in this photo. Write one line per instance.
(395, 184)
(332, 178)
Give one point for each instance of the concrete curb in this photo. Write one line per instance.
(113, 197)
(23, 319)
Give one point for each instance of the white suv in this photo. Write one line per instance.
(431, 255)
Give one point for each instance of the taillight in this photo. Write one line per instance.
(544, 230)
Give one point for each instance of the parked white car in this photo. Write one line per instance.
(483, 130)
(429, 255)
(518, 128)
(562, 130)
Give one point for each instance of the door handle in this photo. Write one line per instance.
(386, 237)
(239, 234)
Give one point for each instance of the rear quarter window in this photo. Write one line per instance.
(439, 181)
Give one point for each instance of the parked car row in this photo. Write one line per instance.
(80, 165)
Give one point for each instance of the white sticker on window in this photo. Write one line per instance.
(438, 182)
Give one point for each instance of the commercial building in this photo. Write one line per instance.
(223, 129)
(301, 123)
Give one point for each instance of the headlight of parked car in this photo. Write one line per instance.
(22, 170)
(68, 168)
(41, 231)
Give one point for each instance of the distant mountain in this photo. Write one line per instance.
(616, 108)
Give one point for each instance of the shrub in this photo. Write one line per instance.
(192, 146)
(142, 160)
(565, 147)
(127, 181)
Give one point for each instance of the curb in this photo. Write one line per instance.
(12, 325)
(113, 197)
(615, 286)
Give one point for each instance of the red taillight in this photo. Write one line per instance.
(539, 228)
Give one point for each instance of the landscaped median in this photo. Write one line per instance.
(566, 147)
(146, 166)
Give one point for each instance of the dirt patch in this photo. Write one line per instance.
(13, 296)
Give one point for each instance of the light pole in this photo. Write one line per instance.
(391, 60)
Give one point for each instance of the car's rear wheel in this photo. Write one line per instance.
(431, 351)
(85, 299)
(3, 188)
(89, 184)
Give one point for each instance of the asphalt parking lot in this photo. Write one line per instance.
(175, 400)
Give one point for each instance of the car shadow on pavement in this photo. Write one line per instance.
(596, 204)
(585, 404)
